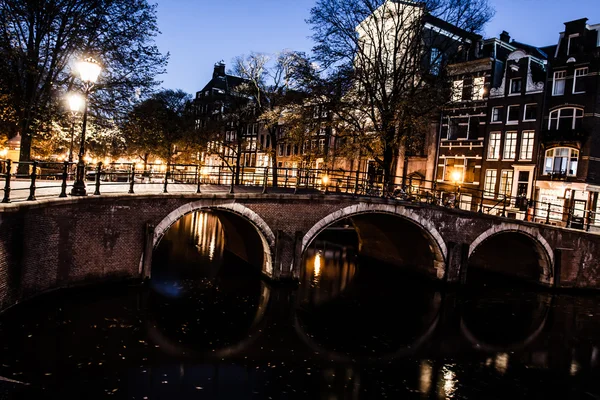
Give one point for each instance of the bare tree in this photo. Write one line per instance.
(383, 65)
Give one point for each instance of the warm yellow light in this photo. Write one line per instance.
(318, 260)
(89, 70)
(76, 102)
(325, 180)
(158, 162)
(3, 153)
(87, 159)
(456, 176)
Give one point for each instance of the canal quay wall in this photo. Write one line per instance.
(59, 243)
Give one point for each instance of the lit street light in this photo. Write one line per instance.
(89, 70)
(76, 102)
(457, 178)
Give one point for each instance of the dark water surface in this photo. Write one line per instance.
(208, 327)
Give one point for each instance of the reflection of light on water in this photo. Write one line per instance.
(448, 386)
(501, 363)
(425, 381)
(317, 266)
(574, 368)
(209, 235)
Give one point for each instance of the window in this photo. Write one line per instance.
(566, 119)
(510, 146)
(474, 127)
(560, 78)
(527, 141)
(515, 86)
(513, 115)
(497, 114)
(530, 113)
(457, 91)
(572, 44)
(478, 88)
(506, 182)
(489, 185)
(578, 81)
(435, 61)
(453, 165)
(561, 161)
(494, 146)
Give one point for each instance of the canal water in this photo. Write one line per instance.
(208, 327)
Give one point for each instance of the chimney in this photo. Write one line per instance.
(505, 37)
(219, 69)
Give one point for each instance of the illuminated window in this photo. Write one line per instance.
(561, 161)
(478, 88)
(494, 146)
(506, 182)
(490, 182)
(527, 141)
(510, 146)
(558, 87)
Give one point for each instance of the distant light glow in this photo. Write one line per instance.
(456, 176)
(325, 180)
(425, 381)
(501, 363)
(450, 381)
(318, 261)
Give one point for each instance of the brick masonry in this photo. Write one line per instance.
(51, 244)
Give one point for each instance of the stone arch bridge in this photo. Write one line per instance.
(52, 244)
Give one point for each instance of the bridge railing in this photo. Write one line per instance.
(55, 179)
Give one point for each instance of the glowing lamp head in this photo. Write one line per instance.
(456, 176)
(325, 180)
(3, 153)
(75, 102)
(89, 70)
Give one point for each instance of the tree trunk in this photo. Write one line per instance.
(274, 166)
(25, 147)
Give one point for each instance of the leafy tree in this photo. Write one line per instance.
(39, 41)
(382, 68)
(159, 126)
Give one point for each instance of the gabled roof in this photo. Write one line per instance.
(225, 83)
(532, 50)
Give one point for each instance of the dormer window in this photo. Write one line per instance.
(572, 44)
(515, 86)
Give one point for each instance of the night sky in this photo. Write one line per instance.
(199, 33)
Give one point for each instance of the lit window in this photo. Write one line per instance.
(453, 167)
(515, 86)
(494, 146)
(579, 81)
(561, 161)
(565, 119)
(506, 182)
(457, 91)
(497, 114)
(510, 146)
(560, 78)
(478, 88)
(489, 186)
(527, 141)
(530, 113)
(513, 115)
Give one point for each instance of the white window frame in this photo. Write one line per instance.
(579, 75)
(510, 92)
(527, 146)
(495, 138)
(559, 76)
(525, 112)
(573, 36)
(573, 153)
(509, 152)
(558, 112)
(490, 178)
(478, 88)
(499, 121)
(457, 90)
(506, 175)
(514, 121)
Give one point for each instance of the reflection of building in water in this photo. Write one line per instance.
(208, 234)
(328, 270)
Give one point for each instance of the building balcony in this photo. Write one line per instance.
(564, 135)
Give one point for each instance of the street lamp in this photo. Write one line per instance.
(75, 104)
(457, 178)
(89, 70)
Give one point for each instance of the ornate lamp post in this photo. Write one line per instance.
(75, 105)
(89, 70)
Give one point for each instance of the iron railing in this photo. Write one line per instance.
(54, 179)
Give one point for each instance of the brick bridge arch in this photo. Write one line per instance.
(437, 243)
(542, 247)
(262, 229)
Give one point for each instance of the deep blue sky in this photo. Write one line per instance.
(199, 33)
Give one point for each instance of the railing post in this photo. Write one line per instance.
(548, 215)
(132, 183)
(298, 172)
(166, 182)
(98, 176)
(33, 178)
(265, 180)
(198, 174)
(6, 198)
(65, 175)
(356, 182)
(504, 207)
(285, 184)
(481, 203)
